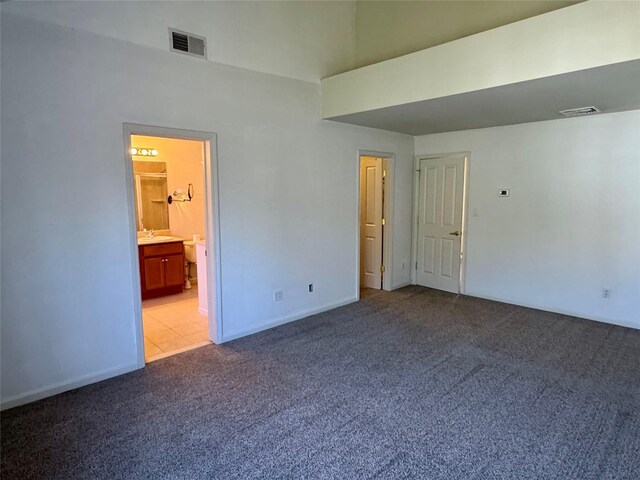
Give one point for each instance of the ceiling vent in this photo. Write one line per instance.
(187, 43)
(578, 112)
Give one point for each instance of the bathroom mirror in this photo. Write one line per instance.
(152, 209)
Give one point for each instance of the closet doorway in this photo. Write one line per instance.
(375, 222)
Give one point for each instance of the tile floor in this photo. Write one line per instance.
(173, 324)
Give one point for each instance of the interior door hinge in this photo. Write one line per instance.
(382, 269)
(416, 265)
(384, 222)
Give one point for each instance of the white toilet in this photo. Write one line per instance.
(190, 251)
(189, 258)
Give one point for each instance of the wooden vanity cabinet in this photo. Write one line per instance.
(161, 269)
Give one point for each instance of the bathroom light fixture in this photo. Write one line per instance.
(179, 196)
(144, 152)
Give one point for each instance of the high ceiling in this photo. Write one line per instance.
(611, 88)
(387, 29)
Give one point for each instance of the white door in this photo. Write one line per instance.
(371, 172)
(440, 223)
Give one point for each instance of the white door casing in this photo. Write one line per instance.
(439, 239)
(212, 212)
(371, 172)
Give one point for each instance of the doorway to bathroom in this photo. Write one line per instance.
(173, 196)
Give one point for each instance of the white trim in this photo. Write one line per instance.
(212, 212)
(401, 285)
(213, 241)
(465, 224)
(65, 386)
(291, 318)
(543, 308)
(465, 214)
(414, 221)
(133, 242)
(388, 164)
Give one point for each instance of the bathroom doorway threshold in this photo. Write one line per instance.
(175, 352)
(173, 324)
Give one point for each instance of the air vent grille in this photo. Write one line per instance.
(196, 46)
(578, 112)
(180, 42)
(187, 43)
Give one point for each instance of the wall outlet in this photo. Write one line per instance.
(606, 292)
(310, 287)
(277, 295)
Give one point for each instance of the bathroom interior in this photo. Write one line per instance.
(171, 224)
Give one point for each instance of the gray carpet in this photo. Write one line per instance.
(410, 384)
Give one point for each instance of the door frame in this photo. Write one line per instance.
(465, 209)
(212, 225)
(389, 165)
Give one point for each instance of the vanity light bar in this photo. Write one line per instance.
(144, 151)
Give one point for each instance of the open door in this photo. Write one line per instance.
(371, 198)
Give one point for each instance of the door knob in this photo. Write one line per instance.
(455, 234)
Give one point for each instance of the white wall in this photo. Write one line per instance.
(579, 37)
(389, 29)
(302, 40)
(571, 225)
(288, 206)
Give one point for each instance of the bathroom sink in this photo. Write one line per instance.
(157, 239)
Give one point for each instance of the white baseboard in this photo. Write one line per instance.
(78, 382)
(291, 318)
(401, 285)
(61, 387)
(203, 311)
(555, 310)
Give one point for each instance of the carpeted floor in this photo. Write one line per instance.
(410, 384)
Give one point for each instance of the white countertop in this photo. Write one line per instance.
(158, 239)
